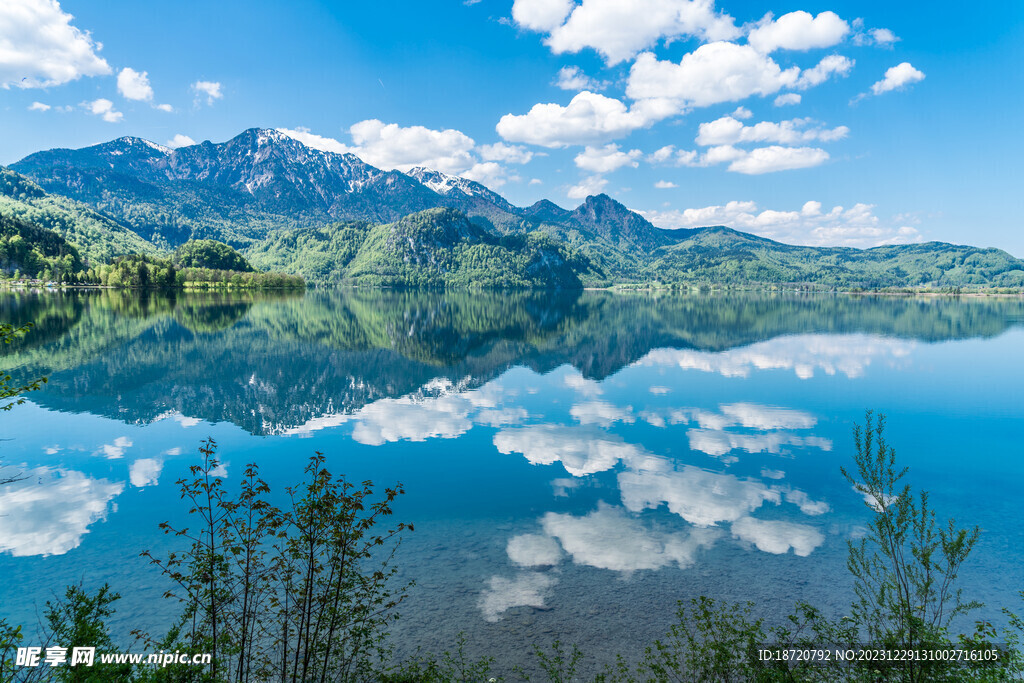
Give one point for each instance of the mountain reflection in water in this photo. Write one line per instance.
(277, 363)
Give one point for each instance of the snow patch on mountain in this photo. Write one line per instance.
(445, 184)
(132, 141)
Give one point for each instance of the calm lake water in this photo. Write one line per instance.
(574, 463)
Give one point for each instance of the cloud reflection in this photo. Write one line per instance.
(145, 472)
(847, 354)
(609, 538)
(601, 413)
(420, 416)
(50, 511)
(533, 550)
(581, 450)
(700, 497)
(778, 537)
(719, 442)
(528, 589)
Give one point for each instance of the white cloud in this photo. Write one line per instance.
(882, 37)
(897, 77)
(39, 48)
(601, 413)
(211, 89)
(134, 85)
(573, 78)
(669, 154)
(719, 154)
(533, 550)
(164, 107)
(541, 15)
(528, 589)
(756, 161)
(510, 154)
(490, 174)
(38, 106)
(145, 472)
(856, 226)
(700, 497)
(662, 154)
(390, 146)
(180, 140)
(609, 538)
(776, 158)
(787, 99)
(606, 159)
(105, 108)
(713, 73)
(798, 31)
(778, 537)
(48, 512)
(581, 450)
(587, 187)
(729, 131)
(115, 450)
(619, 30)
(589, 117)
(742, 113)
(315, 141)
(665, 185)
(832, 65)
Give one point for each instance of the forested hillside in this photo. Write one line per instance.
(334, 219)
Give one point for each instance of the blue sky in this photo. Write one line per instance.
(905, 116)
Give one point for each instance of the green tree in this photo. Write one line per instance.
(210, 254)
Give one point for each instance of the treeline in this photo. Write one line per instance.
(141, 272)
(28, 251)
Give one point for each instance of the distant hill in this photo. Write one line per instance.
(432, 248)
(334, 218)
(721, 254)
(98, 237)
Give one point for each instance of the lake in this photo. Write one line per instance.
(575, 463)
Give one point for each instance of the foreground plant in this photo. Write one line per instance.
(301, 594)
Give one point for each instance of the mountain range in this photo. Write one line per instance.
(334, 218)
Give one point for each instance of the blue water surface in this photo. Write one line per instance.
(574, 464)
